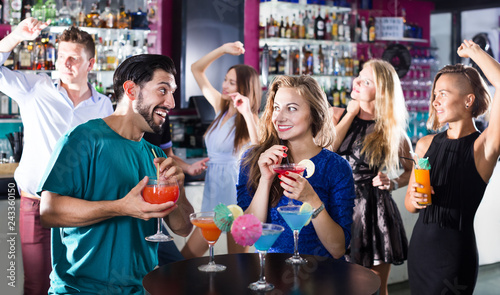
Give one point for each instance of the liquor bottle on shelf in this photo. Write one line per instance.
(280, 63)
(124, 21)
(38, 11)
(364, 30)
(311, 25)
(288, 29)
(92, 19)
(295, 28)
(51, 11)
(108, 17)
(343, 96)
(335, 27)
(321, 61)
(340, 27)
(371, 29)
(15, 11)
(357, 29)
(305, 23)
(50, 53)
(302, 28)
(1, 11)
(64, 18)
(328, 27)
(347, 28)
(24, 60)
(319, 27)
(336, 95)
(39, 55)
(270, 27)
(282, 30)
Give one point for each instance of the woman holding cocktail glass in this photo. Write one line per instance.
(443, 254)
(296, 125)
(371, 135)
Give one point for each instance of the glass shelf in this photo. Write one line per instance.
(300, 42)
(91, 30)
(414, 40)
(279, 5)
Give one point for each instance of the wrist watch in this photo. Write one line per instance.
(318, 211)
(395, 184)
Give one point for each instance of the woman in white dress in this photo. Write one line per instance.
(234, 127)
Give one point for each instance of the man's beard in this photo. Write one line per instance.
(144, 112)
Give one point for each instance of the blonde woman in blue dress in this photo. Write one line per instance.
(234, 127)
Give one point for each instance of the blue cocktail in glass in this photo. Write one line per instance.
(296, 221)
(270, 232)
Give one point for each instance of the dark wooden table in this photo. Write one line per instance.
(319, 276)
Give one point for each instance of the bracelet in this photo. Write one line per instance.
(318, 211)
(395, 184)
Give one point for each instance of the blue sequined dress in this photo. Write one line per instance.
(334, 185)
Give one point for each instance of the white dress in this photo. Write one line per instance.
(222, 171)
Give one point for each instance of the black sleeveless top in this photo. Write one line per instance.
(457, 184)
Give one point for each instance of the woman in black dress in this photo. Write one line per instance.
(371, 135)
(443, 256)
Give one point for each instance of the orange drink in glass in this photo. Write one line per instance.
(422, 176)
(211, 233)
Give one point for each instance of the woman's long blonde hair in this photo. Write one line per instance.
(381, 147)
(322, 128)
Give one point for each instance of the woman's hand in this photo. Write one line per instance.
(297, 187)
(353, 107)
(241, 103)
(234, 48)
(467, 48)
(416, 197)
(381, 181)
(270, 157)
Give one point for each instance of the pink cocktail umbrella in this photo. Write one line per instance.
(246, 230)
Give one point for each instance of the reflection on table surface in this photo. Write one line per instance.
(320, 275)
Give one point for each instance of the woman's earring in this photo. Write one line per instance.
(467, 106)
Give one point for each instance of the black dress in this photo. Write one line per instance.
(443, 256)
(377, 229)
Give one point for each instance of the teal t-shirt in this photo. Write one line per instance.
(94, 163)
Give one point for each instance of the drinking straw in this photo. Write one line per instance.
(157, 166)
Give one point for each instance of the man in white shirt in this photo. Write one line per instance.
(48, 109)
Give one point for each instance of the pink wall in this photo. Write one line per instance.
(251, 31)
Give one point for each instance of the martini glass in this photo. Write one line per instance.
(159, 192)
(281, 169)
(296, 221)
(211, 233)
(270, 232)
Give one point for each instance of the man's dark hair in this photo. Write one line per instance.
(75, 35)
(140, 70)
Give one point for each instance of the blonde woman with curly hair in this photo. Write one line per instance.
(371, 135)
(296, 124)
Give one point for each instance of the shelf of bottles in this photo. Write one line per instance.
(310, 39)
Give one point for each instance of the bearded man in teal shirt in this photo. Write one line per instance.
(91, 191)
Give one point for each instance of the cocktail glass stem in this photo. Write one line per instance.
(158, 232)
(211, 254)
(296, 259)
(296, 244)
(262, 258)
